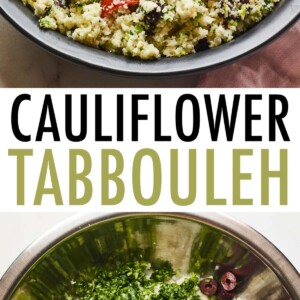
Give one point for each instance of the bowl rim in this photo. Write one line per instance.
(287, 12)
(237, 229)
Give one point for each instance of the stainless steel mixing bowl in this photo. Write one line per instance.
(205, 243)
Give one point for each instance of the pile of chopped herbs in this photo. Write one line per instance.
(135, 281)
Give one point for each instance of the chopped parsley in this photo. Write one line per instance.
(135, 281)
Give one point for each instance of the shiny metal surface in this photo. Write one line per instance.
(191, 242)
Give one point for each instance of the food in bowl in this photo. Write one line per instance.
(228, 260)
(150, 29)
(134, 274)
(140, 280)
(137, 281)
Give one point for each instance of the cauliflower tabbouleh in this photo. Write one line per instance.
(150, 29)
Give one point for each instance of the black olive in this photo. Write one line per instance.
(152, 18)
(208, 286)
(63, 3)
(228, 281)
(202, 45)
(225, 295)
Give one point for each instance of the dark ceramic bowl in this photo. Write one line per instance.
(21, 17)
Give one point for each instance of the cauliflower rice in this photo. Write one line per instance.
(151, 29)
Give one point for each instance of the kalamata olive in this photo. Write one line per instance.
(152, 18)
(63, 3)
(202, 45)
(225, 295)
(208, 286)
(228, 281)
(242, 1)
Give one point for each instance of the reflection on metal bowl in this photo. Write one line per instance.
(202, 243)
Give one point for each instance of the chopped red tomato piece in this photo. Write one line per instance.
(109, 6)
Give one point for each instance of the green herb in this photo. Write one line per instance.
(139, 28)
(135, 281)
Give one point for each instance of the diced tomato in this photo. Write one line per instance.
(109, 6)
